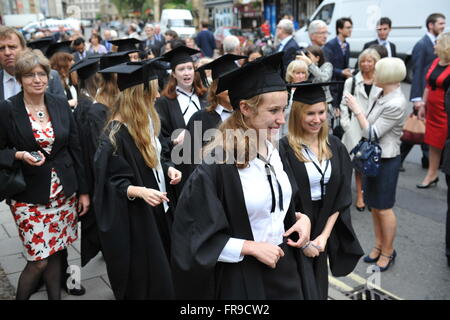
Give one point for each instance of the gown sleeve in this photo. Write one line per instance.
(199, 234)
(344, 249)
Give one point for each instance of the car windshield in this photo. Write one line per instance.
(180, 23)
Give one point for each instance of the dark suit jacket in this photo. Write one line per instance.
(154, 45)
(333, 54)
(375, 42)
(54, 85)
(65, 157)
(421, 59)
(290, 51)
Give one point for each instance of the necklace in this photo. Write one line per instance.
(38, 110)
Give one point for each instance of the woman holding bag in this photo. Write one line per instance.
(384, 121)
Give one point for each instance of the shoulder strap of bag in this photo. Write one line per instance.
(352, 92)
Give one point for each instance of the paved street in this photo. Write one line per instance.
(420, 271)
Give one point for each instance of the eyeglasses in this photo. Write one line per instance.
(31, 75)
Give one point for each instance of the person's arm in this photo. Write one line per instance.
(418, 63)
(345, 112)
(423, 107)
(321, 241)
(322, 74)
(357, 111)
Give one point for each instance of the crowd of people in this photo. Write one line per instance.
(206, 176)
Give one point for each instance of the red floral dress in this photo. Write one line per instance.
(46, 229)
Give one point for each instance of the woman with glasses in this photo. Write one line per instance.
(38, 134)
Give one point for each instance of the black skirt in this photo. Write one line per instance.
(379, 191)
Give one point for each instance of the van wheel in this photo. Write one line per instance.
(409, 70)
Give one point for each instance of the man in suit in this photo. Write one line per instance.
(150, 43)
(80, 49)
(384, 26)
(158, 35)
(285, 31)
(421, 59)
(337, 52)
(12, 43)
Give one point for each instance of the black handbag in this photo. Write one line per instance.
(367, 156)
(338, 130)
(11, 181)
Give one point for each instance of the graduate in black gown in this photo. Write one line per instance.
(88, 77)
(130, 198)
(322, 171)
(236, 234)
(218, 110)
(183, 95)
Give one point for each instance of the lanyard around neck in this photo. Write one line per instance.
(322, 174)
(190, 100)
(270, 168)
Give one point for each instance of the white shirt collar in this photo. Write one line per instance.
(188, 93)
(285, 40)
(432, 37)
(7, 76)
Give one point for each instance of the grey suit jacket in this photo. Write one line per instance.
(386, 120)
(54, 84)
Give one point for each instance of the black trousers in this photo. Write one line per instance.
(447, 224)
(405, 148)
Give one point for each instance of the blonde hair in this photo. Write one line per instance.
(108, 91)
(390, 70)
(443, 47)
(28, 60)
(135, 106)
(371, 53)
(296, 65)
(296, 133)
(240, 140)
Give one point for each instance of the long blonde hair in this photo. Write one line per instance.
(134, 107)
(242, 138)
(108, 91)
(296, 134)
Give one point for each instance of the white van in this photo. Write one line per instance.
(178, 20)
(408, 21)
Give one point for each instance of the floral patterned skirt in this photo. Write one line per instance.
(46, 229)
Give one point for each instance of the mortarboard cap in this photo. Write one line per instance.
(86, 68)
(256, 77)
(112, 58)
(130, 74)
(41, 44)
(179, 55)
(310, 93)
(125, 44)
(219, 67)
(63, 46)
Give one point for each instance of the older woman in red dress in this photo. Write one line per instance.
(438, 81)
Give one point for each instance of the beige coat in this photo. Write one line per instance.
(353, 132)
(386, 120)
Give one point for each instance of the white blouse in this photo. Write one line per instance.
(266, 226)
(189, 103)
(314, 175)
(223, 113)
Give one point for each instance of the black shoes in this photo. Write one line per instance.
(76, 292)
(368, 259)
(360, 209)
(391, 261)
(431, 184)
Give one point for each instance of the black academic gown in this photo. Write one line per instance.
(343, 248)
(172, 119)
(90, 119)
(194, 142)
(132, 244)
(212, 209)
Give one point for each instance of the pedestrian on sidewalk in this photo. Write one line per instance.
(46, 211)
(365, 92)
(205, 40)
(433, 110)
(384, 121)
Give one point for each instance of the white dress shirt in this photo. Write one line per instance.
(223, 113)
(11, 86)
(314, 175)
(158, 171)
(189, 103)
(385, 43)
(266, 226)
